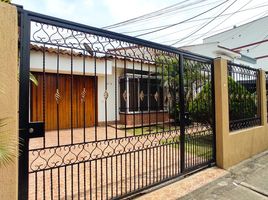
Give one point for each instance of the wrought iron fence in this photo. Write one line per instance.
(243, 88)
(120, 114)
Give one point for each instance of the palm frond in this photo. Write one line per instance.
(33, 79)
(8, 146)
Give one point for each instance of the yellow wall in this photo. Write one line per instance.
(9, 93)
(234, 147)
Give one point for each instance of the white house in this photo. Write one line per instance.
(106, 88)
(214, 50)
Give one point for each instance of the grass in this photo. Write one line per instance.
(150, 129)
(197, 145)
(200, 146)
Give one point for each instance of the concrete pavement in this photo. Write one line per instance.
(246, 181)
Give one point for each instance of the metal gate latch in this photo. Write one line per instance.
(36, 129)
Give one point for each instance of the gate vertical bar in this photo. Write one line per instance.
(24, 104)
(182, 114)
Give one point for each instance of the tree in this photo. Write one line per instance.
(193, 78)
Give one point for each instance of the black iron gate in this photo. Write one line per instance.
(104, 115)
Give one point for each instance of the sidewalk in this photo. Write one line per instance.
(247, 181)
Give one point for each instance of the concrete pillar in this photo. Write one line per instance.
(262, 98)
(236, 146)
(9, 95)
(221, 108)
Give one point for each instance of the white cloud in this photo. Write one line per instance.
(88, 3)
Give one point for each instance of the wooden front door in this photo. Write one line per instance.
(74, 101)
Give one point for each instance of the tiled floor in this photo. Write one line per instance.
(185, 186)
(97, 169)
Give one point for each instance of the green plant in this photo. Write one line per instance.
(195, 145)
(33, 79)
(201, 107)
(193, 76)
(168, 70)
(241, 105)
(8, 146)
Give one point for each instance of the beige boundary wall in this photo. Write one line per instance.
(234, 147)
(9, 94)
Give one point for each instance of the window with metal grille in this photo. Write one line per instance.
(140, 94)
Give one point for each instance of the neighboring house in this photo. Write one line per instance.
(214, 50)
(250, 39)
(130, 86)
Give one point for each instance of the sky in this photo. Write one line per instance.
(100, 13)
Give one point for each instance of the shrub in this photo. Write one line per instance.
(241, 103)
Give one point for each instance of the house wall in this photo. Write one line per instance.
(204, 49)
(112, 98)
(145, 118)
(113, 91)
(212, 50)
(9, 97)
(50, 64)
(245, 34)
(263, 62)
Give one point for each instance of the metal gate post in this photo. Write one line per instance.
(24, 104)
(182, 114)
